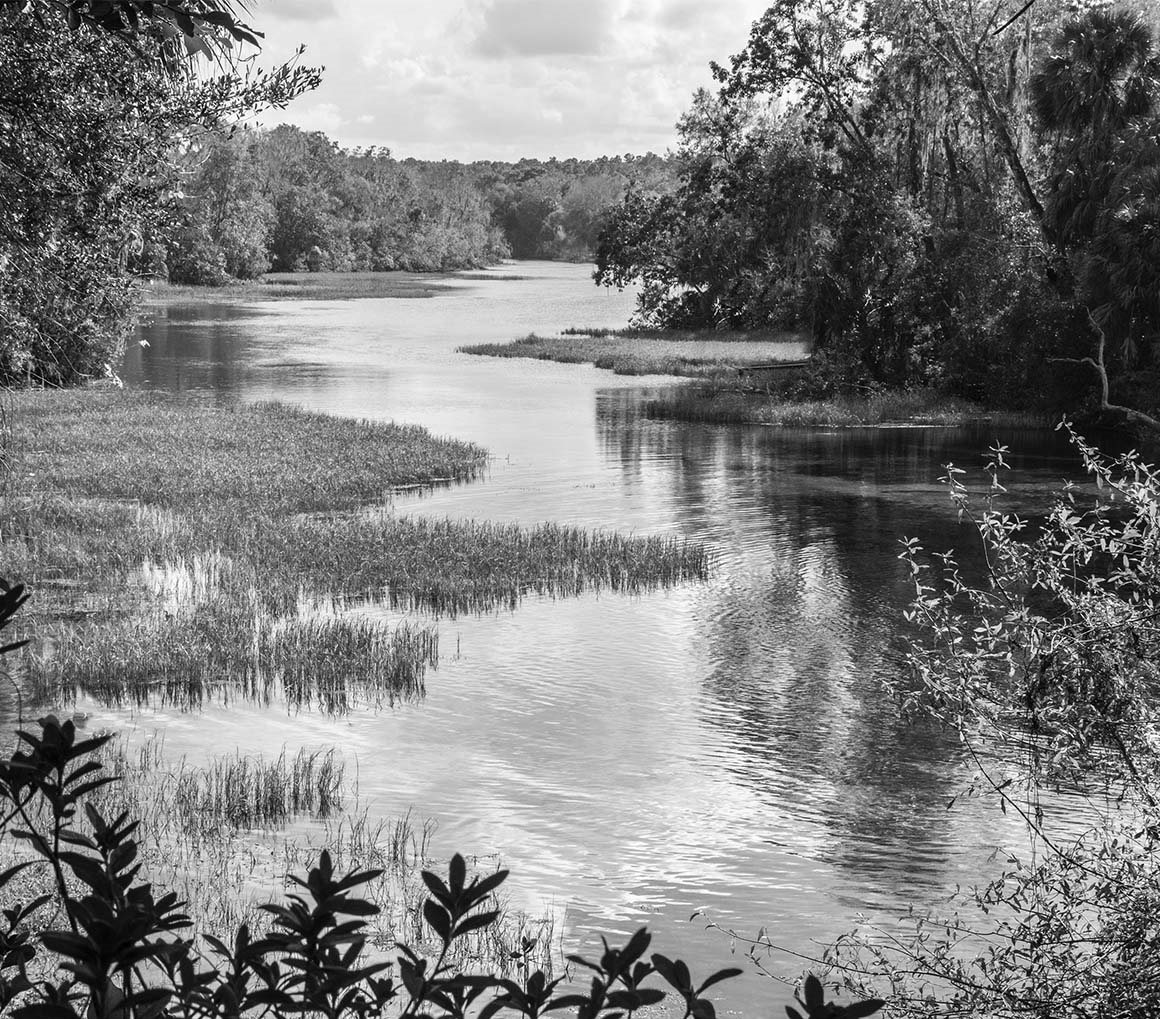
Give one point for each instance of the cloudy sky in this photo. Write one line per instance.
(501, 79)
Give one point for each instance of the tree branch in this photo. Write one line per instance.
(1100, 366)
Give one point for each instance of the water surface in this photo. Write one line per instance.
(723, 749)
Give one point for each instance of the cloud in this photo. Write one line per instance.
(534, 28)
(501, 79)
(301, 10)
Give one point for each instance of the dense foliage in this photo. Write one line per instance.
(285, 199)
(89, 124)
(939, 192)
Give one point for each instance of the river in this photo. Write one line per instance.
(722, 749)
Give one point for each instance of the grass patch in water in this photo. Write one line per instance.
(179, 551)
(185, 453)
(301, 286)
(696, 353)
(715, 405)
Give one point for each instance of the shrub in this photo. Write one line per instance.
(1045, 661)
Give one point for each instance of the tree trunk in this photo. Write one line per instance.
(1000, 127)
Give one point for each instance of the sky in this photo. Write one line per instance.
(502, 79)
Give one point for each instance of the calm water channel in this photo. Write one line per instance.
(723, 748)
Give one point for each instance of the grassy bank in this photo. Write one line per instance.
(695, 354)
(715, 405)
(301, 286)
(179, 549)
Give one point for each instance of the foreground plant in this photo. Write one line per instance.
(1046, 666)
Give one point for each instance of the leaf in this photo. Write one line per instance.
(473, 923)
(815, 996)
(716, 978)
(438, 918)
(863, 1008)
(457, 873)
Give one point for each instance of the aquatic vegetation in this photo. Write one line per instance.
(227, 645)
(234, 790)
(184, 551)
(452, 567)
(720, 405)
(701, 354)
(186, 453)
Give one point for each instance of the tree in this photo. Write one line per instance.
(202, 23)
(1097, 100)
(89, 124)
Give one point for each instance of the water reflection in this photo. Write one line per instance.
(723, 747)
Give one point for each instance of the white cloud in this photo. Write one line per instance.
(532, 28)
(474, 79)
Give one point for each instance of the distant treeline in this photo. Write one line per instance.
(287, 199)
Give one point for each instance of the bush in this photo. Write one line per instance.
(1046, 664)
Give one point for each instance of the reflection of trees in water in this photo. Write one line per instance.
(806, 617)
(190, 347)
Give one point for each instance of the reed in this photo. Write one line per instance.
(226, 645)
(225, 850)
(453, 567)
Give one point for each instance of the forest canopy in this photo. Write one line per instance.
(938, 192)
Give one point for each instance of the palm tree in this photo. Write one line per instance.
(1097, 100)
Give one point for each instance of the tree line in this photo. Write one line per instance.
(121, 156)
(286, 199)
(942, 192)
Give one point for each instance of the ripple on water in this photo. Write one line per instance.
(722, 747)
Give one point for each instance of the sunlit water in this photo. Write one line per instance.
(722, 749)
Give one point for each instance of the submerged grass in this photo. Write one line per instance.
(715, 405)
(696, 353)
(181, 551)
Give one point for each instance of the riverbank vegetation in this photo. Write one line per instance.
(705, 353)
(297, 286)
(717, 404)
(285, 199)
(184, 548)
(946, 195)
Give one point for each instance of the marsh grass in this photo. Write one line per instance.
(301, 286)
(453, 567)
(224, 848)
(716, 405)
(235, 791)
(180, 551)
(210, 643)
(699, 354)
